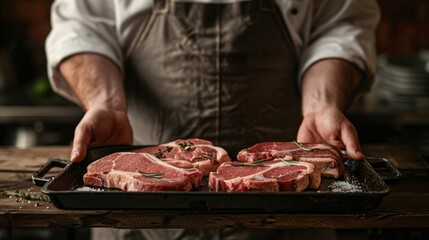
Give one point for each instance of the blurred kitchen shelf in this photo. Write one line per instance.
(31, 114)
(26, 126)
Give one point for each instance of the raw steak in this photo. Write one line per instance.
(269, 176)
(140, 172)
(328, 159)
(190, 153)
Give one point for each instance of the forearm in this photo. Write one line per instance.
(329, 83)
(96, 81)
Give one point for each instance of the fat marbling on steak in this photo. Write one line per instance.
(328, 159)
(140, 172)
(190, 153)
(267, 176)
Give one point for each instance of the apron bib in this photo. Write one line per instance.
(221, 72)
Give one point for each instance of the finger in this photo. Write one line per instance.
(80, 144)
(305, 136)
(350, 139)
(337, 143)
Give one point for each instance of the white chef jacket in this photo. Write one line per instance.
(319, 29)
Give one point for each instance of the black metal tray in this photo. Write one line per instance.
(65, 192)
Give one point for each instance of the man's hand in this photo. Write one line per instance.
(332, 127)
(97, 84)
(328, 88)
(100, 127)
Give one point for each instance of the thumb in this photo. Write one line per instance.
(80, 145)
(351, 141)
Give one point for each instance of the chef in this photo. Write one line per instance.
(233, 72)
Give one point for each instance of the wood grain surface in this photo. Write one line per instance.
(407, 205)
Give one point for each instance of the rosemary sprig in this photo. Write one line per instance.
(158, 175)
(186, 146)
(24, 195)
(257, 163)
(160, 153)
(302, 148)
(289, 162)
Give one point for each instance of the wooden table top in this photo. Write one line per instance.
(407, 205)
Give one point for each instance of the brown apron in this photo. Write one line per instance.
(222, 72)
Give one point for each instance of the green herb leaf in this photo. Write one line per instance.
(158, 175)
(302, 148)
(252, 164)
(24, 195)
(289, 162)
(246, 165)
(239, 164)
(259, 161)
(186, 146)
(160, 153)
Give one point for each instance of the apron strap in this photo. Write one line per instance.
(161, 6)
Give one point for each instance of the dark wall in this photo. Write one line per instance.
(404, 26)
(24, 25)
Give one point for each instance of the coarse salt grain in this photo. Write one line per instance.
(342, 186)
(86, 188)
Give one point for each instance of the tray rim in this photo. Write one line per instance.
(54, 194)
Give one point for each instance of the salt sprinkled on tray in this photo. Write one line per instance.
(342, 186)
(88, 189)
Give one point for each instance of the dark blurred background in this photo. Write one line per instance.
(30, 113)
(395, 111)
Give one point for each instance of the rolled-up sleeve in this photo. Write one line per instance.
(80, 26)
(343, 29)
